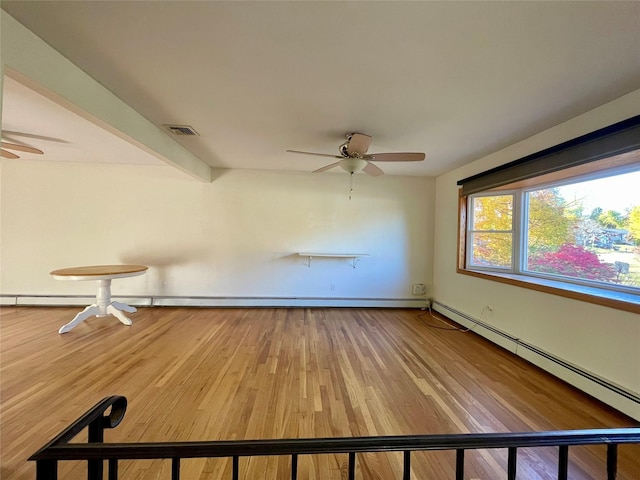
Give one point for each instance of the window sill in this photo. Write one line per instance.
(620, 301)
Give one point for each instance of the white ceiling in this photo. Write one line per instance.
(456, 80)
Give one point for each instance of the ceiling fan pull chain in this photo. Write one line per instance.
(350, 185)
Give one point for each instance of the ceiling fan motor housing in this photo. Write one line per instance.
(343, 149)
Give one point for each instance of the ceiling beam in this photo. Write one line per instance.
(29, 60)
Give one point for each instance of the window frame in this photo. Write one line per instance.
(471, 230)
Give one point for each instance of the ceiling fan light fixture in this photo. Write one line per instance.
(353, 165)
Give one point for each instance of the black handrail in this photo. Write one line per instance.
(96, 451)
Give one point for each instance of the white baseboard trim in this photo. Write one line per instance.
(177, 301)
(617, 396)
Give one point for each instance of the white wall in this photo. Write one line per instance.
(601, 340)
(234, 237)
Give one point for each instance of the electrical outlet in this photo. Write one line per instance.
(419, 289)
(489, 307)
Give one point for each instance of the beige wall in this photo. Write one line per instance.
(600, 340)
(234, 237)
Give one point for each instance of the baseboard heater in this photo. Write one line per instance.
(558, 361)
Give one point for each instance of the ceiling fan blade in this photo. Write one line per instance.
(373, 170)
(7, 154)
(358, 144)
(396, 157)
(21, 148)
(316, 154)
(326, 167)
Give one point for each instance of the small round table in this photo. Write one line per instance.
(103, 274)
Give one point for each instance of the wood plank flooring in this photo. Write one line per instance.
(213, 374)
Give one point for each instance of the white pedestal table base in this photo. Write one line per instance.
(103, 274)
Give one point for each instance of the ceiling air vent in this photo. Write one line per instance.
(181, 129)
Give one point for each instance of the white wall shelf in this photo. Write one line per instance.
(355, 257)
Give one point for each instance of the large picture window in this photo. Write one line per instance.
(567, 218)
(584, 232)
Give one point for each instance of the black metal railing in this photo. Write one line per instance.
(110, 411)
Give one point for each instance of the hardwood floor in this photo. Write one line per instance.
(210, 374)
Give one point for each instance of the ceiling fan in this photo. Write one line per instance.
(353, 156)
(6, 146)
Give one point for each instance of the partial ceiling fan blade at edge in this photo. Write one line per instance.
(326, 167)
(316, 154)
(7, 154)
(396, 157)
(21, 148)
(373, 170)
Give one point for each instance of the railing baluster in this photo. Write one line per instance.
(96, 435)
(113, 469)
(511, 463)
(46, 470)
(175, 468)
(352, 466)
(234, 468)
(460, 464)
(563, 462)
(294, 466)
(612, 461)
(95, 469)
(407, 465)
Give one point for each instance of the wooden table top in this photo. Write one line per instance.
(100, 270)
